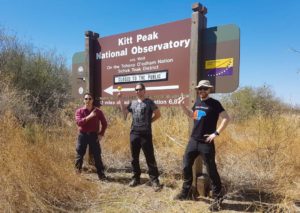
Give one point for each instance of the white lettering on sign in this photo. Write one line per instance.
(149, 37)
(163, 61)
(184, 43)
(136, 69)
(157, 47)
(149, 68)
(155, 76)
(124, 41)
(111, 54)
(127, 65)
(159, 102)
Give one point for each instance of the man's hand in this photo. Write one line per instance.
(120, 95)
(181, 99)
(123, 109)
(210, 137)
(91, 115)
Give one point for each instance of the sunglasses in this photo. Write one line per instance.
(139, 90)
(87, 98)
(203, 88)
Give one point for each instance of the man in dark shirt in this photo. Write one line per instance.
(88, 119)
(144, 111)
(205, 112)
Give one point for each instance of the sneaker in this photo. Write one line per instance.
(156, 185)
(134, 182)
(102, 177)
(216, 205)
(183, 195)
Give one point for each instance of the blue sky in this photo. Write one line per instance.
(269, 29)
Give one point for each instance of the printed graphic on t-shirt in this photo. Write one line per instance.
(139, 117)
(198, 114)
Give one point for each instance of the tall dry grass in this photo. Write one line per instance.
(259, 157)
(37, 172)
(262, 155)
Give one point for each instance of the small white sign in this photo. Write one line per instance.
(80, 69)
(80, 90)
(154, 76)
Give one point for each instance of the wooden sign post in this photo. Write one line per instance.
(198, 25)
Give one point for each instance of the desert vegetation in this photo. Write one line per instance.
(257, 155)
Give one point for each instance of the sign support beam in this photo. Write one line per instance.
(92, 85)
(199, 23)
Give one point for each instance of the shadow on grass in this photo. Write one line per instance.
(249, 200)
(243, 200)
(253, 195)
(125, 180)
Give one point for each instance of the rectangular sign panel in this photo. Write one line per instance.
(157, 56)
(79, 75)
(221, 57)
(144, 77)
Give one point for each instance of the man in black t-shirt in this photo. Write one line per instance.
(144, 111)
(205, 112)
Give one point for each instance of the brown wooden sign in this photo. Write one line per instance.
(157, 56)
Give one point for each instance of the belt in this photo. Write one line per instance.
(88, 133)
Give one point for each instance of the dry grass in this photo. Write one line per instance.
(36, 170)
(258, 161)
(261, 158)
(169, 138)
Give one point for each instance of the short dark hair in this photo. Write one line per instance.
(141, 84)
(90, 94)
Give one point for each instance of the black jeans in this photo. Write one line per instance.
(144, 142)
(207, 151)
(90, 139)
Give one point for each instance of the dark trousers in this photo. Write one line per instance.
(144, 142)
(90, 139)
(207, 151)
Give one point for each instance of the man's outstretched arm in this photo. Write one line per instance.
(123, 108)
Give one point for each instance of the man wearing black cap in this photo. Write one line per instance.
(205, 112)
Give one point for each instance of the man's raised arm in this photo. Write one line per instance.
(121, 103)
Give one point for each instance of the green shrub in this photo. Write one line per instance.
(249, 101)
(41, 75)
